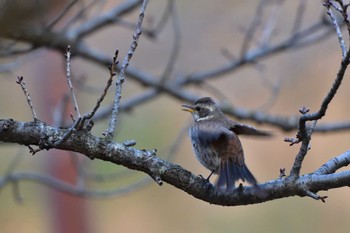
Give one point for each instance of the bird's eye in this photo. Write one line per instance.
(197, 108)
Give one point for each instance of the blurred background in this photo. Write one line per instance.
(209, 34)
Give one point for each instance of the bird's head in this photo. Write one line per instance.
(203, 109)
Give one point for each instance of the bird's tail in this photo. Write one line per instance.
(230, 172)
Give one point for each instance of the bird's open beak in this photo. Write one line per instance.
(187, 108)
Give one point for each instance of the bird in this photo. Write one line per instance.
(216, 144)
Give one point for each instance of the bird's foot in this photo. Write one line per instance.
(207, 184)
(240, 188)
(208, 178)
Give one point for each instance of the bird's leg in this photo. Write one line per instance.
(208, 178)
(208, 184)
(212, 172)
(240, 187)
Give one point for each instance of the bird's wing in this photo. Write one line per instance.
(248, 130)
(212, 134)
(219, 138)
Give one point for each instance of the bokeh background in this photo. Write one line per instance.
(207, 27)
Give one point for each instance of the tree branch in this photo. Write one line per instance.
(16, 177)
(38, 37)
(115, 109)
(80, 139)
(99, 22)
(42, 135)
(304, 134)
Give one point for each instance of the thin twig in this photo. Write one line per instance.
(69, 82)
(315, 196)
(21, 82)
(80, 15)
(175, 50)
(164, 18)
(112, 73)
(252, 28)
(115, 110)
(299, 16)
(65, 10)
(337, 28)
(270, 25)
(342, 9)
(103, 20)
(129, 104)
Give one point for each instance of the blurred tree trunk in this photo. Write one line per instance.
(68, 213)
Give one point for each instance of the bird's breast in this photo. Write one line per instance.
(203, 150)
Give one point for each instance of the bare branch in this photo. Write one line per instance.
(80, 139)
(328, 98)
(115, 110)
(315, 196)
(334, 164)
(297, 40)
(175, 88)
(270, 25)
(337, 28)
(252, 28)
(299, 16)
(69, 82)
(304, 133)
(160, 170)
(112, 73)
(68, 6)
(101, 21)
(174, 54)
(15, 177)
(22, 83)
(81, 14)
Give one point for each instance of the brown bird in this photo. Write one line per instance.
(216, 144)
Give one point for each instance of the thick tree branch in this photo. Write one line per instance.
(80, 139)
(44, 136)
